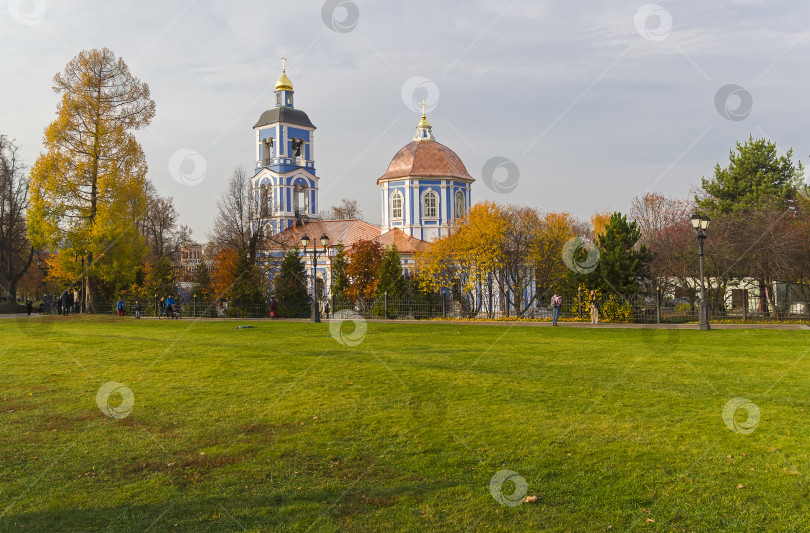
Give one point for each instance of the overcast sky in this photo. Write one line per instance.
(593, 103)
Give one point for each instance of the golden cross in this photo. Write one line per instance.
(283, 63)
(424, 105)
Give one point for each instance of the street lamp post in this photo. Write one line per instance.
(700, 223)
(316, 315)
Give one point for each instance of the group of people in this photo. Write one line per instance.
(69, 301)
(168, 308)
(121, 307)
(556, 305)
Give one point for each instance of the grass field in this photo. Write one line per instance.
(283, 428)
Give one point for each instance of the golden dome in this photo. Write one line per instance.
(424, 123)
(284, 83)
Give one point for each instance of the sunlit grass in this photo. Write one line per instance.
(282, 428)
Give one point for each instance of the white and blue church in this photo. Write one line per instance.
(425, 189)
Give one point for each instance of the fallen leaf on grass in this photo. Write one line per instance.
(740, 486)
(530, 499)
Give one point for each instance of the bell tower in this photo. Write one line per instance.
(285, 184)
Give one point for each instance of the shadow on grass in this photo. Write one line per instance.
(329, 509)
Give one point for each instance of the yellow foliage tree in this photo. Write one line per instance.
(89, 185)
(599, 222)
(464, 261)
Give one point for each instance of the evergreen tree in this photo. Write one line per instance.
(391, 280)
(340, 281)
(291, 287)
(755, 178)
(621, 261)
(161, 278)
(391, 283)
(202, 283)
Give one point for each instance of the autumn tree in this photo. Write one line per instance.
(159, 224)
(232, 223)
(363, 271)
(599, 222)
(466, 259)
(345, 210)
(226, 266)
(88, 187)
(202, 282)
(16, 253)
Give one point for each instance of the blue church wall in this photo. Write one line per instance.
(267, 133)
(298, 133)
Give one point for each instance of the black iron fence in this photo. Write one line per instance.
(640, 308)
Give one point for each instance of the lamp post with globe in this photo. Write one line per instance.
(316, 315)
(700, 224)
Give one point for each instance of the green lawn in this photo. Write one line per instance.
(282, 428)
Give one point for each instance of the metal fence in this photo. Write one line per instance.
(640, 308)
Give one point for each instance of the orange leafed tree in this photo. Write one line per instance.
(226, 266)
(363, 271)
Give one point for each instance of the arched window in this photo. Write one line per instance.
(278, 99)
(460, 207)
(430, 204)
(396, 206)
(300, 197)
(266, 201)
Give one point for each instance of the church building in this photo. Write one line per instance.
(424, 190)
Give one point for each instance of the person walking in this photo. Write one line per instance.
(594, 308)
(273, 308)
(162, 308)
(28, 304)
(65, 302)
(58, 304)
(76, 301)
(556, 304)
(137, 309)
(170, 307)
(119, 306)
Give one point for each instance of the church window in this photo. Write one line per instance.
(300, 198)
(289, 100)
(266, 202)
(278, 99)
(396, 205)
(460, 204)
(430, 205)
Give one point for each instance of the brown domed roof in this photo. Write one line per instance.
(426, 158)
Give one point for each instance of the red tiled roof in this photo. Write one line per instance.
(405, 243)
(346, 231)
